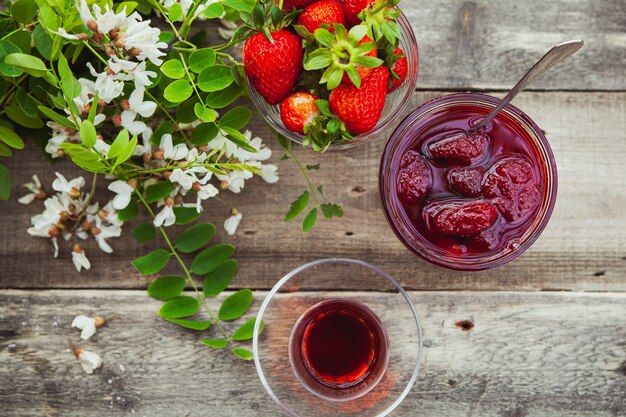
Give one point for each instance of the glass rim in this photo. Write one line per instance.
(296, 271)
(411, 81)
(419, 245)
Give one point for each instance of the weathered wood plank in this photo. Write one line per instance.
(528, 354)
(583, 248)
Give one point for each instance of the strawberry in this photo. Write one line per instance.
(459, 148)
(352, 8)
(401, 68)
(290, 5)
(322, 12)
(273, 68)
(298, 110)
(363, 72)
(461, 218)
(360, 108)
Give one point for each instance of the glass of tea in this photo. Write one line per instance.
(325, 352)
(467, 201)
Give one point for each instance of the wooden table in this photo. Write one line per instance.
(549, 335)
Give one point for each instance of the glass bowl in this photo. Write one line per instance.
(420, 120)
(305, 287)
(395, 102)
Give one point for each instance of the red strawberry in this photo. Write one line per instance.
(360, 108)
(289, 5)
(352, 8)
(459, 148)
(298, 110)
(414, 180)
(324, 11)
(362, 71)
(401, 68)
(466, 181)
(273, 68)
(461, 218)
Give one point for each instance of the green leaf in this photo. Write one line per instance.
(22, 39)
(119, 144)
(309, 220)
(235, 305)
(210, 258)
(215, 343)
(144, 232)
(215, 78)
(164, 288)
(202, 58)
(7, 48)
(175, 12)
(5, 150)
(195, 237)
(173, 68)
(203, 113)
(88, 133)
(127, 6)
(191, 324)
(242, 353)
(297, 206)
(179, 90)
(324, 37)
(152, 262)
(181, 306)
(239, 5)
(214, 10)
(238, 138)
(11, 138)
(217, 280)
(5, 182)
(130, 212)
(245, 332)
(24, 10)
(159, 191)
(57, 118)
(204, 133)
(26, 103)
(225, 97)
(185, 215)
(331, 210)
(126, 152)
(27, 63)
(236, 117)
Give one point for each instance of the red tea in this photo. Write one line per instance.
(338, 344)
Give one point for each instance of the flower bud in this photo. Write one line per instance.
(224, 185)
(97, 37)
(103, 214)
(158, 154)
(83, 36)
(95, 231)
(109, 71)
(132, 182)
(125, 104)
(78, 351)
(60, 153)
(100, 322)
(74, 194)
(53, 231)
(134, 52)
(87, 108)
(41, 194)
(178, 200)
(119, 42)
(196, 186)
(109, 50)
(167, 174)
(92, 25)
(169, 201)
(77, 248)
(113, 33)
(234, 211)
(117, 119)
(203, 148)
(86, 225)
(147, 157)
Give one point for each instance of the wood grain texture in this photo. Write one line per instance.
(528, 354)
(583, 247)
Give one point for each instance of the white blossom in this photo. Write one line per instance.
(123, 192)
(231, 223)
(34, 189)
(140, 36)
(86, 324)
(170, 151)
(79, 259)
(89, 361)
(205, 192)
(234, 180)
(72, 187)
(108, 86)
(166, 216)
(269, 173)
(136, 106)
(185, 178)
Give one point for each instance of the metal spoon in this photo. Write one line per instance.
(551, 58)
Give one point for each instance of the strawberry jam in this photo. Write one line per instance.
(467, 200)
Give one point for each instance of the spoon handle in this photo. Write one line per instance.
(551, 58)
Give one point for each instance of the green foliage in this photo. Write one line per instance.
(164, 288)
(210, 258)
(152, 262)
(235, 305)
(195, 237)
(245, 331)
(217, 280)
(158, 191)
(5, 182)
(144, 232)
(180, 306)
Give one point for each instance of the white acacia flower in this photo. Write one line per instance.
(145, 146)
(103, 232)
(102, 147)
(263, 153)
(72, 187)
(132, 71)
(89, 361)
(136, 106)
(141, 37)
(108, 86)
(109, 213)
(60, 135)
(231, 223)
(87, 325)
(205, 192)
(79, 259)
(35, 191)
(123, 191)
(234, 180)
(166, 216)
(269, 173)
(185, 178)
(170, 151)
